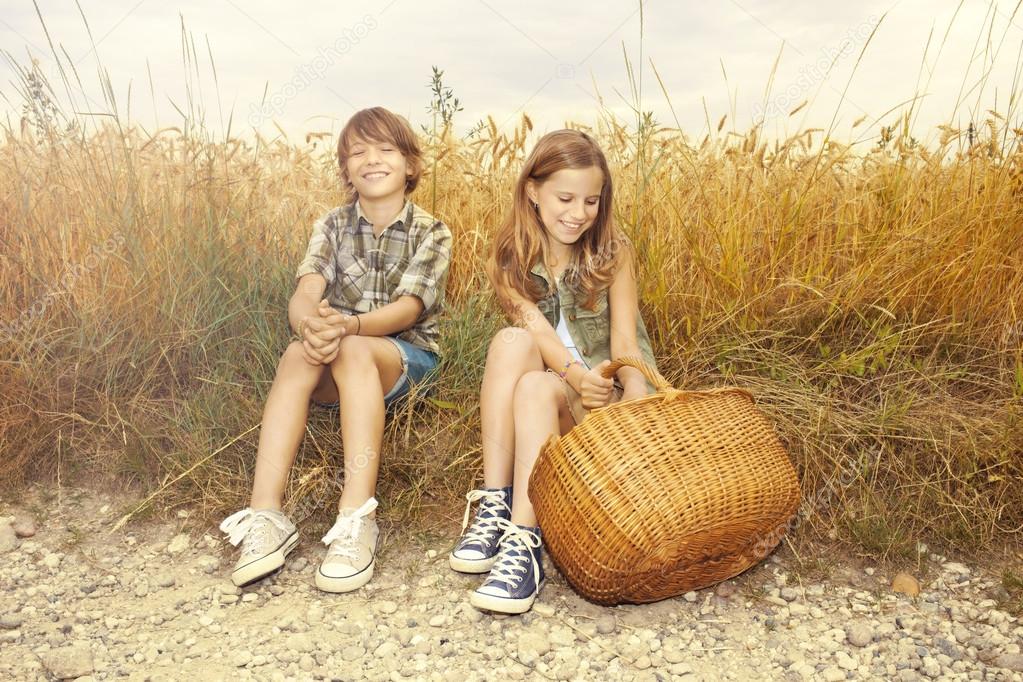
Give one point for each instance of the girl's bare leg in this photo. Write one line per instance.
(512, 354)
(540, 411)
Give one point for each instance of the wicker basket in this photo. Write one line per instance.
(653, 497)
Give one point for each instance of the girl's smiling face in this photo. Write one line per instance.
(568, 201)
(376, 169)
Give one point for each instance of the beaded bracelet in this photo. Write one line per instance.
(568, 363)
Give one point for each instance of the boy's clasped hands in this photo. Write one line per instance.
(322, 333)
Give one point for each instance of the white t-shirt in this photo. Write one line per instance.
(566, 338)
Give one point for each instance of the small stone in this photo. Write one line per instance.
(931, 667)
(241, 658)
(230, 589)
(249, 597)
(832, 674)
(387, 607)
(606, 624)
(142, 589)
(955, 567)
(437, 621)
(1012, 662)
(904, 583)
(789, 594)
(306, 663)
(643, 662)
(179, 543)
(386, 650)
(690, 597)
(68, 663)
(165, 580)
(352, 653)
(11, 621)
(276, 590)
(24, 527)
(208, 564)
(8, 538)
(299, 564)
(531, 647)
(725, 590)
(52, 561)
(859, 634)
(205, 621)
(541, 609)
(846, 662)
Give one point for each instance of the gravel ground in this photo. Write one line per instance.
(153, 602)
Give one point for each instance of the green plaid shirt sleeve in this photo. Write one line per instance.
(427, 271)
(319, 255)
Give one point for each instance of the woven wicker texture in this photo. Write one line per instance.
(651, 498)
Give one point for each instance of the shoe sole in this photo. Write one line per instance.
(471, 565)
(346, 584)
(257, 569)
(488, 602)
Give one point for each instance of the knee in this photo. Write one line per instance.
(293, 365)
(536, 388)
(292, 359)
(354, 352)
(508, 345)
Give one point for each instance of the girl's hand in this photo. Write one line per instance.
(595, 389)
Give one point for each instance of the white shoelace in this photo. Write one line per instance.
(483, 528)
(342, 538)
(510, 569)
(244, 527)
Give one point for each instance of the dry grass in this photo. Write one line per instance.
(869, 296)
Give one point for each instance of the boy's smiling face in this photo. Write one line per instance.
(378, 170)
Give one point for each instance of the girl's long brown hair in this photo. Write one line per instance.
(521, 240)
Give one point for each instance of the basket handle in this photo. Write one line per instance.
(651, 373)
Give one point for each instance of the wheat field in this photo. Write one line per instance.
(869, 295)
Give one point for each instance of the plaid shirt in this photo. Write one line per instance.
(365, 272)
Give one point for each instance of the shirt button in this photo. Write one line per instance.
(586, 351)
(571, 317)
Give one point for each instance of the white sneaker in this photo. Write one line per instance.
(351, 553)
(266, 537)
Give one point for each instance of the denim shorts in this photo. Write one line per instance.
(418, 366)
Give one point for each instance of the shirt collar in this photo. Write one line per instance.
(401, 222)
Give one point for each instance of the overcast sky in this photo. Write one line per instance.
(318, 64)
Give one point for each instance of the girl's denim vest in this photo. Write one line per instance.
(590, 329)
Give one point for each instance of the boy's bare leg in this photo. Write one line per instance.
(541, 410)
(365, 370)
(283, 425)
(512, 354)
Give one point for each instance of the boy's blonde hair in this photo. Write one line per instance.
(380, 125)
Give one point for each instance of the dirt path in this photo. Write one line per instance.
(152, 602)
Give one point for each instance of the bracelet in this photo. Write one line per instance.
(301, 329)
(358, 322)
(568, 363)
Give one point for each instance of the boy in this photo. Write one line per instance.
(365, 310)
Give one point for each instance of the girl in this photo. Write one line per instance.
(564, 274)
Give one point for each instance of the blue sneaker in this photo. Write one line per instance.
(476, 550)
(517, 575)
